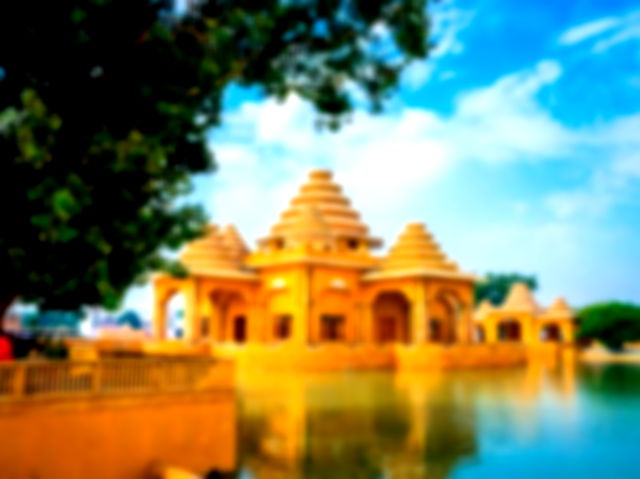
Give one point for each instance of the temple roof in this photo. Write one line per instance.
(416, 248)
(321, 200)
(234, 242)
(559, 309)
(520, 299)
(209, 254)
(484, 308)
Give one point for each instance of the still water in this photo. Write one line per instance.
(561, 421)
(539, 421)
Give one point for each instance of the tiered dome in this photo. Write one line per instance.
(520, 299)
(417, 249)
(208, 254)
(234, 243)
(309, 224)
(332, 207)
(559, 309)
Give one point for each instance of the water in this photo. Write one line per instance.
(539, 421)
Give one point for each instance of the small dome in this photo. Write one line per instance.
(209, 253)
(520, 299)
(484, 308)
(416, 248)
(559, 309)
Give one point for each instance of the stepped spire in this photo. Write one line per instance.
(321, 198)
(559, 309)
(234, 242)
(520, 299)
(208, 254)
(416, 248)
(484, 308)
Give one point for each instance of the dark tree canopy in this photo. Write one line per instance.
(495, 286)
(105, 107)
(611, 323)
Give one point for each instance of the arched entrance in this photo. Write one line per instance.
(175, 315)
(229, 319)
(509, 330)
(443, 320)
(550, 333)
(391, 322)
(479, 336)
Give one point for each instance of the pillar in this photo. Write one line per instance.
(491, 330)
(190, 320)
(301, 316)
(159, 315)
(367, 330)
(419, 316)
(215, 321)
(567, 331)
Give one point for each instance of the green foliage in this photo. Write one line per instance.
(105, 108)
(52, 322)
(611, 323)
(495, 286)
(131, 319)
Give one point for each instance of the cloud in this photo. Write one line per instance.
(610, 32)
(587, 30)
(383, 161)
(448, 22)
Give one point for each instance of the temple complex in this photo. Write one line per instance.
(315, 280)
(521, 319)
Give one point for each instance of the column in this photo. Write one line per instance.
(190, 320)
(301, 317)
(159, 315)
(419, 317)
(464, 318)
(490, 330)
(215, 321)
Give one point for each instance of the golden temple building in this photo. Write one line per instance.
(315, 280)
(521, 319)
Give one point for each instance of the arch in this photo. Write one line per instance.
(550, 332)
(443, 319)
(391, 319)
(479, 334)
(509, 330)
(172, 305)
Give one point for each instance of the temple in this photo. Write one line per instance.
(315, 280)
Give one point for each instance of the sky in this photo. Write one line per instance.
(517, 143)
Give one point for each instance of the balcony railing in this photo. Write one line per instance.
(35, 379)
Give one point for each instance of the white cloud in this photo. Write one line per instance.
(448, 22)
(610, 32)
(587, 30)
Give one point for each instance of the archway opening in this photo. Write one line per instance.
(509, 330)
(240, 329)
(479, 334)
(550, 333)
(442, 321)
(175, 315)
(391, 323)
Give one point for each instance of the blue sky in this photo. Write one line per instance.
(517, 143)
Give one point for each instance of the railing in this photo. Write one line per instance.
(33, 379)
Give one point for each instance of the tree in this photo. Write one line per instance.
(131, 319)
(611, 323)
(105, 106)
(495, 286)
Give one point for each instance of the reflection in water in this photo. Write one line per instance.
(375, 425)
(546, 420)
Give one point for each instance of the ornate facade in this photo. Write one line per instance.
(314, 279)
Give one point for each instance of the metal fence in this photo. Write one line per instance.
(33, 379)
